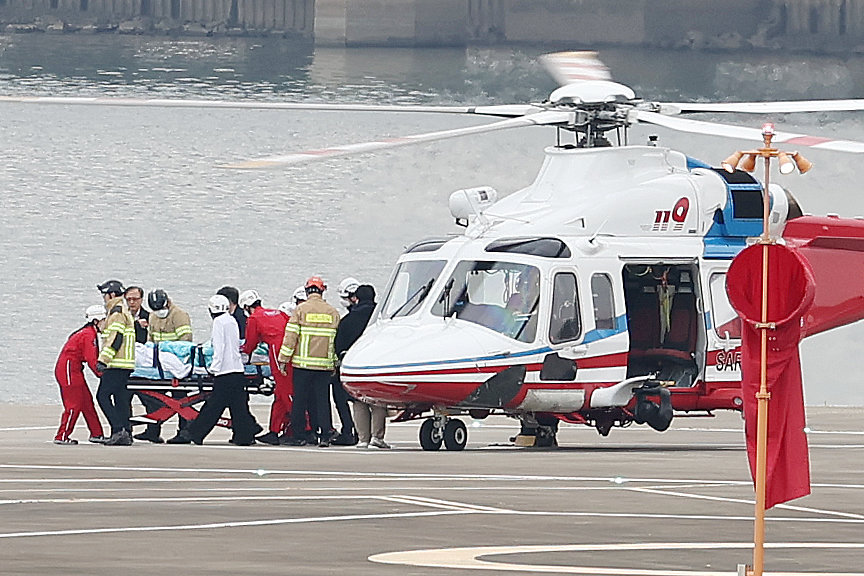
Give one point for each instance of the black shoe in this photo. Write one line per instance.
(181, 438)
(121, 438)
(147, 437)
(285, 438)
(269, 438)
(344, 441)
(296, 442)
(249, 442)
(324, 443)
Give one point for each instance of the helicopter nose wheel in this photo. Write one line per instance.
(438, 430)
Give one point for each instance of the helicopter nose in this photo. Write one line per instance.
(438, 364)
(388, 347)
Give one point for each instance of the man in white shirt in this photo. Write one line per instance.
(229, 383)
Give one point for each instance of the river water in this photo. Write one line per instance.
(92, 193)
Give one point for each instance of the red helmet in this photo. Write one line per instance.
(316, 282)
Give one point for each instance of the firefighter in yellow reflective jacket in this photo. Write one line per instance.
(168, 323)
(308, 346)
(116, 362)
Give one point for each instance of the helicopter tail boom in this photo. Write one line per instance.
(834, 248)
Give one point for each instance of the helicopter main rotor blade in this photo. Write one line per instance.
(547, 118)
(505, 110)
(744, 133)
(786, 107)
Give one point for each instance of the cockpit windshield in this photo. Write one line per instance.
(409, 286)
(501, 296)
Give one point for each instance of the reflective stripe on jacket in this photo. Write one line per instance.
(175, 326)
(309, 335)
(119, 323)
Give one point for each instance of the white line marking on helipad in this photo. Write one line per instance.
(23, 428)
(469, 558)
(462, 505)
(748, 502)
(241, 524)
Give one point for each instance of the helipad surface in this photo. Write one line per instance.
(635, 503)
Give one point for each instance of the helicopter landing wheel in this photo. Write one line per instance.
(455, 435)
(431, 434)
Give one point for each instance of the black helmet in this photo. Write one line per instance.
(111, 287)
(157, 299)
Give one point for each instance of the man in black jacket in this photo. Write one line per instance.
(370, 420)
(344, 338)
(134, 298)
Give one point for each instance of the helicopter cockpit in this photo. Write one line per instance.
(501, 296)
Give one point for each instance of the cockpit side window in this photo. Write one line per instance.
(409, 286)
(501, 296)
(565, 324)
(604, 302)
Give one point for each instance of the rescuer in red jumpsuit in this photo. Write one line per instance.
(82, 347)
(268, 326)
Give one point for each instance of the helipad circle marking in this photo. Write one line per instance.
(469, 557)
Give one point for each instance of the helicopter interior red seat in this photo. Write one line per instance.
(643, 322)
(680, 341)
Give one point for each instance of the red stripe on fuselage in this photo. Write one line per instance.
(617, 360)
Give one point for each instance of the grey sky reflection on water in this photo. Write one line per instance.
(93, 193)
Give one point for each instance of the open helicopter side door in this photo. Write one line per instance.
(665, 321)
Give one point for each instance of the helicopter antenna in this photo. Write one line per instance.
(593, 237)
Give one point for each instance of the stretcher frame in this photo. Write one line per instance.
(199, 387)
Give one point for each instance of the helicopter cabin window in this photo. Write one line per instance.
(727, 324)
(501, 296)
(564, 325)
(604, 302)
(409, 287)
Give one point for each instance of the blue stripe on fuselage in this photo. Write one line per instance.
(591, 336)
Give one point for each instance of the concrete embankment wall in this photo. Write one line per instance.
(836, 25)
(193, 17)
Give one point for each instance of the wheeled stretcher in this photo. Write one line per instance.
(173, 378)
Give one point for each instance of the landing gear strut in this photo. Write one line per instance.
(441, 429)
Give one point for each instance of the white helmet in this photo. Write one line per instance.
(300, 294)
(95, 312)
(348, 286)
(218, 304)
(248, 297)
(288, 307)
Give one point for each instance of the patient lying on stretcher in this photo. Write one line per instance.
(182, 359)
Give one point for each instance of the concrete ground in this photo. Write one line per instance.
(635, 503)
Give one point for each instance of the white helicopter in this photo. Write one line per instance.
(596, 295)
